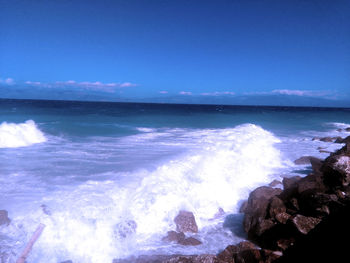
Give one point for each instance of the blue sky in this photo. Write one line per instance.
(146, 50)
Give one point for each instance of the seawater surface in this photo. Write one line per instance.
(107, 179)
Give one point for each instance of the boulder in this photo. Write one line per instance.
(276, 206)
(4, 220)
(205, 258)
(290, 182)
(304, 224)
(303, 160)
(186, 222)
(347, 129)
(256, 210)
(336, 171)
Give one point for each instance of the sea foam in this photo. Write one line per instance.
(218, 170)
(14, 135)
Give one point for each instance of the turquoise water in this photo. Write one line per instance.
(97, 166)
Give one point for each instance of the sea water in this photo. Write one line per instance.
(107, 179)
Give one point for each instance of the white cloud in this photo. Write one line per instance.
(7, 81)
(97, 85)
(218, 93)
(185, 93)
(308, 93)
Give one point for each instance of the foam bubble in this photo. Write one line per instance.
(14, 135)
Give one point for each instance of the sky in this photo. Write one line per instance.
(175, 51)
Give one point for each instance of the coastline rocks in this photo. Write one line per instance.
(336, 171)
(304, 224)
(4, 219)
(186, 222)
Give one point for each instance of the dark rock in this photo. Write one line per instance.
(228, 254)
(336, 171)
(304, 224)
(4, 218)
(270, 256)
(67, 261)
(303, 160)
(186, 222)
(316, 164)
(244, 245)
(285, 243)
(249, 256)
(276, 206)
(174, 236)
(327, 139)
(311, 181)
(347, 129)
(256, 210)
(339, 140)
(282, 217)
(147, 259)
(339, 130)
(190, 241)
(290, 182)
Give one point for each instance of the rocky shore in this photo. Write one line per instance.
(308, 220)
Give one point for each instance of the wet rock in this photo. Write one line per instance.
(347, 129)
(304, 224)
(256, 210)
(243, 207)
(285, 243)
(303, 160)
(4, 220)
(186, 222)
(249, 256)
(336, 171)
(228, 254)
(290, 182)
(311, 181)
(190, 241)
(174, 236)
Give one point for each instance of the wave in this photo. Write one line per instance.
(218, 170)
(14, 135)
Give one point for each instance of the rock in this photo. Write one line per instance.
(174, 236)
(336, 171)
(285, 243)
(4, 220)
(67, 261)
(290, 182)
(249, 256)
(339, 140)
(347, 129)
(190, 241)
(270, 256)
(228, 254)
(256, 209)
(186, 222)
(316, 164)
(282, 217)
(303, 160)
(276, 206)
(327, 139)
(311, 181)
(304, 224)
(339, 130)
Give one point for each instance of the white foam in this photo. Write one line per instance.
(14, 135)
(218, 170)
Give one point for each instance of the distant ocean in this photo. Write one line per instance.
(88, 169)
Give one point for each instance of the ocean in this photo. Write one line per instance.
(107, 179)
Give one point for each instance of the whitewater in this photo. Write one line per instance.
(108, 179)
